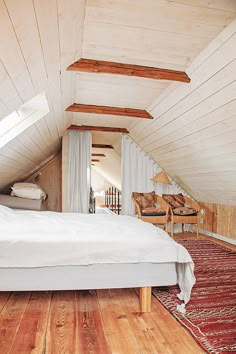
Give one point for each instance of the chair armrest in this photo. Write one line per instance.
(137, 207)
(164, 205)
(167, 209)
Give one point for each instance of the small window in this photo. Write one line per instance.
(28, 114)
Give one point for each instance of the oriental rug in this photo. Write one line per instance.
(211, 311)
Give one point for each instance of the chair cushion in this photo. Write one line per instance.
(175, 200)
(145, 200)
(184, 211)
(153, 212)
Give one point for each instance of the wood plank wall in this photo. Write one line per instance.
(50, 181)
(220, 219)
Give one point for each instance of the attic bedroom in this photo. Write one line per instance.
(117, 176)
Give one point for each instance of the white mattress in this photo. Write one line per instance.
(33, 239)
(41, 239)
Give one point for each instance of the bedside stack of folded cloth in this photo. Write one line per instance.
(24, 196)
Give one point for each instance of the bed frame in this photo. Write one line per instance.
(96, 276)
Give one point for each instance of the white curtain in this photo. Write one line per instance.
(79, 171)
(137, 169)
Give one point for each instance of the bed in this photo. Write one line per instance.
(65, 251)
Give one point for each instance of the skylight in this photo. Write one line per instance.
(28, 114)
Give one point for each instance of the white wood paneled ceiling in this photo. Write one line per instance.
(160, 33)
(192, 135)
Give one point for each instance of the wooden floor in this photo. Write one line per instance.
(78, 322)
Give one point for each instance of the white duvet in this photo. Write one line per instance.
(40, 239)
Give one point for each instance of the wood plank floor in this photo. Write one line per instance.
(79, 322)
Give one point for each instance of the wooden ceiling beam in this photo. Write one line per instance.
(108, 67)
(102, 146)
(99, 155)
(115, 111)
(98, 129)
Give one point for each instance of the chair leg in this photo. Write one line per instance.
(172, 230)
(197, 231)
(183, 228)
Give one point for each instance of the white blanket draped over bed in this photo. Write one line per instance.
(41, 239)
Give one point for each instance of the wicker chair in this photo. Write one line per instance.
(156, 220)
(184, 219)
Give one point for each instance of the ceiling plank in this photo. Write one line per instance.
(109, 67)
(102, 146)
(99, 155)
(97, 128)
(116, 111)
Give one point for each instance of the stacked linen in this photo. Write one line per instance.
(24, 196)
(20, 203)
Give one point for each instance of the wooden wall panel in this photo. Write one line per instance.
(220, 219)
(50, 181)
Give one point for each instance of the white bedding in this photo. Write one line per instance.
(40, 239)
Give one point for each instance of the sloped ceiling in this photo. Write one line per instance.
(192, 135)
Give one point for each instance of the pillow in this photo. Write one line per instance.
(175, 200)
(28, 190)
(25, 184)
(153, 212)
(180, 198)
(145, 200)
(5, 211)
(184, 211)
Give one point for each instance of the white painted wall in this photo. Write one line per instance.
(99, 183)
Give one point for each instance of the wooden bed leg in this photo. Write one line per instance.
(145, 296)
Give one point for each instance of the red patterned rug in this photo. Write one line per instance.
(211, 311)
